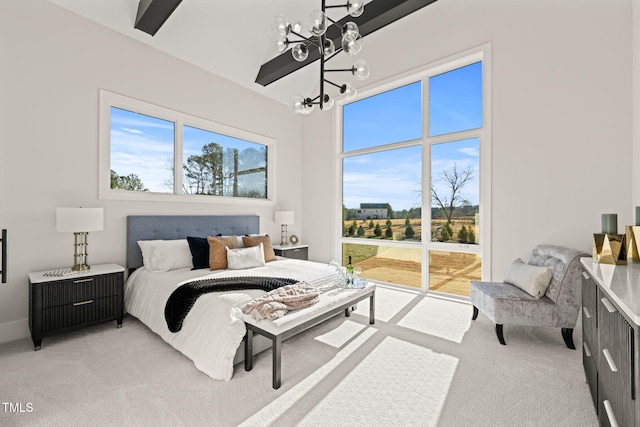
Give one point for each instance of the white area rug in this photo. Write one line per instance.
(423, 363)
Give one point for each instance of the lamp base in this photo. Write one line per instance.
(80, 252)
(609, 248)
(283, 235)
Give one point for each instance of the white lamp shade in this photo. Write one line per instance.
(79, 219)
(284, 217)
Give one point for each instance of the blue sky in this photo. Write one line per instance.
(143, 145)
(395, 176)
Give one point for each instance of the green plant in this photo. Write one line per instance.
(360, 231)
(462, 234)
(377, 230)
(388, 232)
(445, 234)
(409, 232)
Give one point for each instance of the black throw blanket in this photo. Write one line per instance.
(183, 298)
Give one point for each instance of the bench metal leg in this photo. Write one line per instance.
(277, 362)
(372, 308)
(248, 350)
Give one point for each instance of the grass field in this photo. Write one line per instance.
(449, 272)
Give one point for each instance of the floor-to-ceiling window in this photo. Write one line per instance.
(417, 143)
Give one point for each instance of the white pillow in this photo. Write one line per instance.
(239, 259)
(165, 255)
(532, 279)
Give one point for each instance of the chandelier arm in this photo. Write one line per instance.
(352, 70)
(332, 83)
(307, 39)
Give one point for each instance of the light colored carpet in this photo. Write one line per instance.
(423, 363)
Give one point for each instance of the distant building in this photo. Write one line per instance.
(373, 211)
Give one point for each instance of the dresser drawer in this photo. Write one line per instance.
(80, 313)
(77, 290)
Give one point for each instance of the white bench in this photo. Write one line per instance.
(331, 303)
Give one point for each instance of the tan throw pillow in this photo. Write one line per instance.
(532, 279)
(218, 251)
(250, 241)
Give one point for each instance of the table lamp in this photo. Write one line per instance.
(283, 218)
(79, 221)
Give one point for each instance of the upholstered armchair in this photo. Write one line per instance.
(515, 304)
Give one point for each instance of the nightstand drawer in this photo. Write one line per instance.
(296, 252)
(79, 313)
(79, 289)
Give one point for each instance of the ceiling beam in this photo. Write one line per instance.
(377, 14)
(153, 13)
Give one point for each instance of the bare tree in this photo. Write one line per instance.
(456, 180)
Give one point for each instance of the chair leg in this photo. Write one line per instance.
(499, 334)
(567, 335)
(475, 313)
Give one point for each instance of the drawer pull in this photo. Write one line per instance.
(609, 410)
(610, 361)
(82, 303)
(585, 275)
(82, 281)
(586, 313)
(610, 308)
(587, 350)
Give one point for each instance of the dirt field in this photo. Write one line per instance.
(449, 272)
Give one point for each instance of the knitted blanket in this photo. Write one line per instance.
(184, 297)
(280, 301)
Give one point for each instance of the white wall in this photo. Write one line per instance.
(561, 104)
(53, 64)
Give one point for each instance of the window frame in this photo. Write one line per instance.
(483, 247)
(105, 192)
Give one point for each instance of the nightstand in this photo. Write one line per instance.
(60, 303)
(294, 251)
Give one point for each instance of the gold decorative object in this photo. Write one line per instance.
(632, 233)
(609, 248)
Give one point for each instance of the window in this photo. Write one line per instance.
(420, 143)
(149, 152)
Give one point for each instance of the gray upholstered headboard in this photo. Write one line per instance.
(171, 227)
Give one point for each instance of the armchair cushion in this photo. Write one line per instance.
(532, 279)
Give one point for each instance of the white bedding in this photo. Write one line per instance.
(214, 328)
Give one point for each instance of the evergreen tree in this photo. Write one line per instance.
(360, 231)
(377, 230)
(371, 223)
(462, 234)
(471, 236)
(352, 230)
(407, 221)
(388, 232)
(409, 232)
(445, 235)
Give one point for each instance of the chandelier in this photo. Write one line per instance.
(287, 34)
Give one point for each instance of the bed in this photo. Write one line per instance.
(213, 330)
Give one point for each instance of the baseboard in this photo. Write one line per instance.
(15, 330)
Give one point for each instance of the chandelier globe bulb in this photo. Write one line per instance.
(327, 103)
(350, 45)
(317, 24)
(355, 8)
(296, 103)
(329, 48)
(349, 92)
(361, 69)
(300, 52)
(281, 26)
